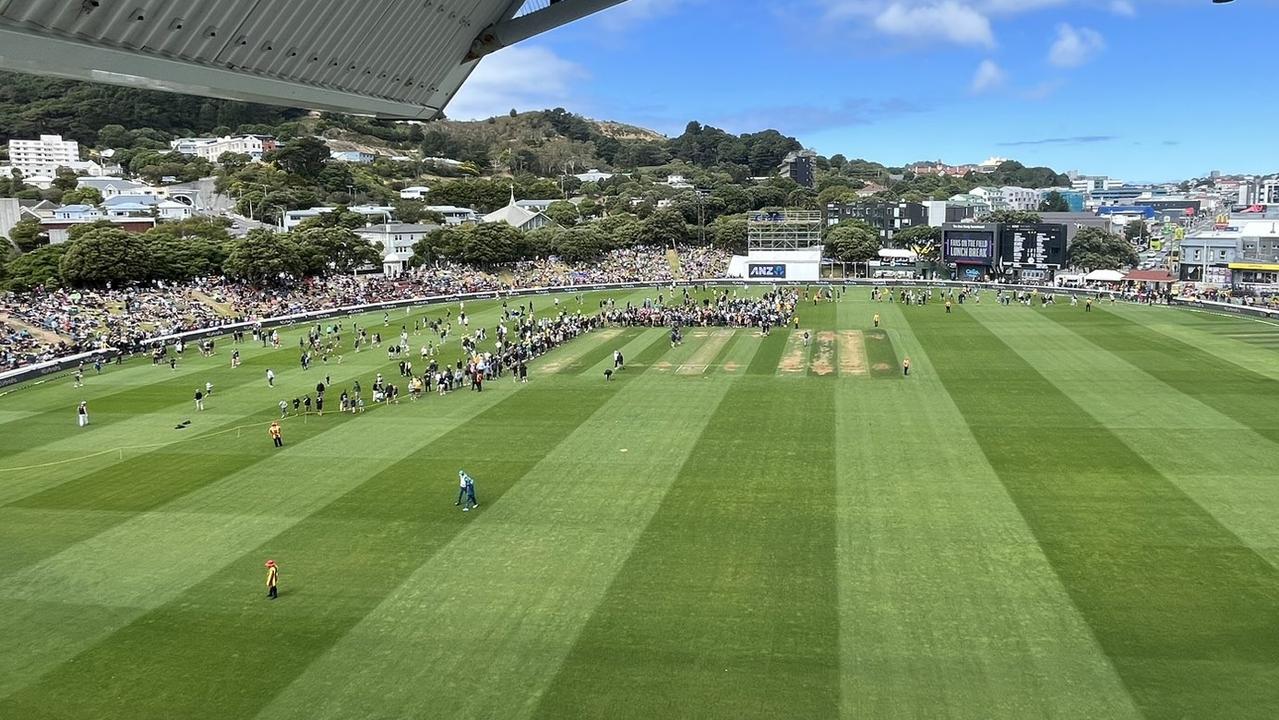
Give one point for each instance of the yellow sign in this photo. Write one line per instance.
(1263, 267)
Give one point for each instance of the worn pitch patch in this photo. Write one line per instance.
(578, 350)
(703, 356)
(852, 353)
(795, 356)
(824, 354)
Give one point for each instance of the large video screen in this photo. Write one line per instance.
(968, 246)
(1037, 245)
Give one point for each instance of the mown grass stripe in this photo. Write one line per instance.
(512, 611)
(1185, 610)
(1231, 389)
(338, 564)
(748, 633)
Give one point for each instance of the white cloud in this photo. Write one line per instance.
(524, 77)
(988, 77)
(624, 17)
(1075, 46)
(948, 20)
(1123, 7)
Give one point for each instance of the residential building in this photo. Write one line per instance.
(678, 182)
(1020, 199)
(10, 213)
(454, 215)
(43, 156)
(944, 211)
(536, 205)
(293, 218)
(593, 175)
(993, 196)
(174, 210)
(885, 216)
(977, 204)
(355, 157)
(58, 229)
(255, 146)
(77, 212)
(1090, 183)
(416, 192)
(396, 241)
(800, 166)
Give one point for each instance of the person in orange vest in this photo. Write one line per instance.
(906, 366)
(275, 434)
(272, 580)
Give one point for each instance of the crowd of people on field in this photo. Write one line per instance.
(727, 309)
(86, 320)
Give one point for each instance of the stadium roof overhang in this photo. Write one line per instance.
(389, 58)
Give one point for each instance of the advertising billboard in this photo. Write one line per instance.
(969, 246)
(1041, 245)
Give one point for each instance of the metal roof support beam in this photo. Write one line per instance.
(559, 12)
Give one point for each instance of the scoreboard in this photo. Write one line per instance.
(969, 244)
(1039, 245)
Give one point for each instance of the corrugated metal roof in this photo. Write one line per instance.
(404, 52)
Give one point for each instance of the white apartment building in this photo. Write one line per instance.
(1020, 198)
(43, 156)
(396, 241)
(255, 146)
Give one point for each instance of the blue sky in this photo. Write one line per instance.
(1144, 90)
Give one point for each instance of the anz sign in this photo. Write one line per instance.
(772, 271)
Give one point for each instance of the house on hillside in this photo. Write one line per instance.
(417, 192)
(396, 241)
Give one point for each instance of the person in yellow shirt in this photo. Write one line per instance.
(876, 319)
(272, 580)
(276, 435)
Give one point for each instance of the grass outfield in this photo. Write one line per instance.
(1059, 514)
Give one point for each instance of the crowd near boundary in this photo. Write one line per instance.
(51, 367)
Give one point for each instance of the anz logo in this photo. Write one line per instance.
(775, 272)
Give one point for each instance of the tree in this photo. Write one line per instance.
(925, 240)
(852, 241)
(234, 162)
(263, 257)
(1096, 249)
(82, 196)
(65, 179)
(187, 249)
(1137, 232)
(305, 156)
(105, 255)
(28, 234)
(1054, 202)
(429, 249)
(729, 233)
(663, 227)
(338, 217)
(36, 268)
(409, 211)
(581, 243)
(1012, 217)
(563, 212)
(325, 251)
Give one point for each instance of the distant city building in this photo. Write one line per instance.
(887, 217)
(1075, 199)
(58, 229)
(945, 211)
(800, 166)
